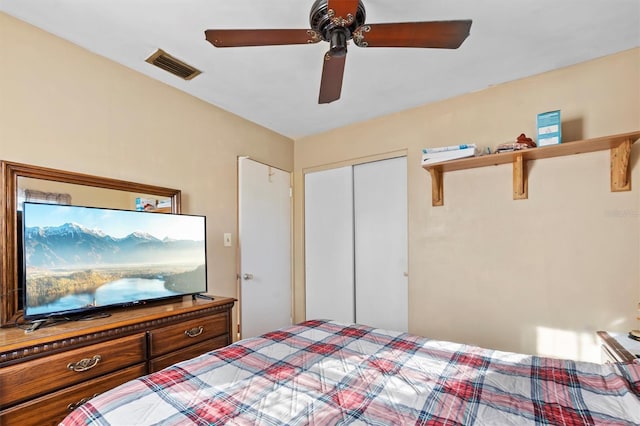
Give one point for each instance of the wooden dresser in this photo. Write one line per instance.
(47, 373)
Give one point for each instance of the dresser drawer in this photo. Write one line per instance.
(174, 337)
(51, 409)
(189, 352)
(42, 375)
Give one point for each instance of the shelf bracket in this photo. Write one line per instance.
(620, 176)
(437, 188)
(520, 178)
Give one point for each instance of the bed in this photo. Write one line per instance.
(325, 372)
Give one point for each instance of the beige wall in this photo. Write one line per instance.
(66, 108)
(533, 276)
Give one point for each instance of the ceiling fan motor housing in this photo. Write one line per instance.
(325, 25)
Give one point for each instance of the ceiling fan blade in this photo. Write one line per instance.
(238, 38)
(344, 11)
(331, 83)
(435, 34)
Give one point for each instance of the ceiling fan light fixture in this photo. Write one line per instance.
(323, 20)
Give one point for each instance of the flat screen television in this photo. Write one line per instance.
(77, 260)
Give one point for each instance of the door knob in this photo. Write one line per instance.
(247, 276)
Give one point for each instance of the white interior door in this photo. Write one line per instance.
(328, 233)
(264, 208)
(380, 235)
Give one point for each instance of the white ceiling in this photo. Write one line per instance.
(277, 86)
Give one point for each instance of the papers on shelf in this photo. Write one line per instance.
(437, 155)
(447, 148)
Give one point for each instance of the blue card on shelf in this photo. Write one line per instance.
(549, 128)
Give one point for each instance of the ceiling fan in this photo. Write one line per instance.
(337, 22)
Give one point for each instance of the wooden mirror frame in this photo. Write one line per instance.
(10, 172)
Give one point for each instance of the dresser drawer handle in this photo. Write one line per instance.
(84, 364)
(194, 332)
(72, 406)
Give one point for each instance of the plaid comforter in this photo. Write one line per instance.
(327, 373)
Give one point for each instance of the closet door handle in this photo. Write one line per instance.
(247, 276)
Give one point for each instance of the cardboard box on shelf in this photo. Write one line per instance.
(549, 128)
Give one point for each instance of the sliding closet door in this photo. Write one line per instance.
(380, 234)
(356, 244)
(328, 200)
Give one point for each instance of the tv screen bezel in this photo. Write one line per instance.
(87, 312)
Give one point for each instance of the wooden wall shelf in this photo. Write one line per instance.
(619, 145)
